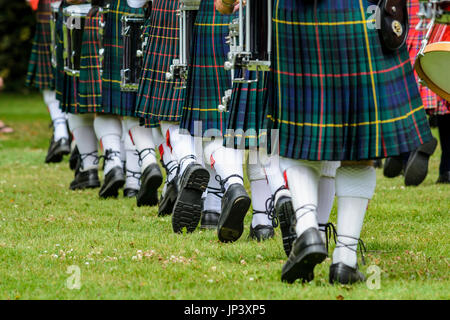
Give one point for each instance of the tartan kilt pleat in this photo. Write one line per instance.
(115, 101)
(434, 104)
(335, 94)
(208, 80)
(90, 82)
(247, 113)
(59, 70)
(159, 99)
(40, 71)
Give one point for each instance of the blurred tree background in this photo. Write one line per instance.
(17, 25)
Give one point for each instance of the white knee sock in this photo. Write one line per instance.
(228, 163)
(260, 194)
(108, 129)
(82, 127)
(145, 145)
(326, 194)
(355, 186)
(275, 178)
(303, 182)
(213, 200)
(58, 117)
(133, 169)
(182, 144)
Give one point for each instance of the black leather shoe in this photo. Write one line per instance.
(130, 193)
(235, 204)
(417, 167)
(187, 210)
(85, 180)
(75, 160)
(286, 215)
(261, 232)
(308, 251)
(393, 167)
(444, 177)
(343, 274)
(168, 198)
(150, 181)
(57, 150)
(114, 180)
(210, 220)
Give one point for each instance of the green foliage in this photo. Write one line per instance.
(17, 25)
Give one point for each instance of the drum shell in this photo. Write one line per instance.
(439, 42)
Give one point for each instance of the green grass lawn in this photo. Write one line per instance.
(125, 252)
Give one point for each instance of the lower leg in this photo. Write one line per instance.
(355, 186)
(58, 117)
(142, 138)
(326, 194)
(303, 181)
(108, 129)
(82, 127)
(444, 135)
(133, 169)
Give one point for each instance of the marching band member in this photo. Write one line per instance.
(206, 84)
(331, 98)
(415, 164)
(115, 104)
(160, 104)
(41, 76)
(74, 97)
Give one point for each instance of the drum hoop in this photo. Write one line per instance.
(437, 46)
(430, 84)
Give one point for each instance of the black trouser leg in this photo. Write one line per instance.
(444, 134)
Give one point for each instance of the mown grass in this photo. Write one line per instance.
(125, 252)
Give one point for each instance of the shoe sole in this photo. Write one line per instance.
(342, 276)
(187, 209)
(58, 155)
(112, 189)
(303, 267)
(392, 167)
(417, 168)
(233, 225)
(148, 194)
(166, 205)
(85, 185)
(285, 225)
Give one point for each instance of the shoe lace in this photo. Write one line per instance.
(108, 156)
(223, 182)
(270, 208)
(330, 232)
(362, 246)
(170, 167)
(145, 153)
(83, 156)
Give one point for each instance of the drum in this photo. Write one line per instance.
(55, 12)
(73, 27)
(250, 40)
(433, 62)
(187, 15)
(133, 60)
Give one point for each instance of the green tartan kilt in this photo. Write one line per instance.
(90, 83)
(247, 118)
(40, 71)
(159, 99)
(113, 99)
(335, 95)
(208, 80)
